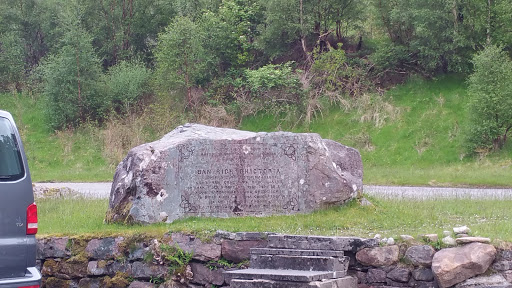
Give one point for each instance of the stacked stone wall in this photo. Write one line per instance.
(140, 261)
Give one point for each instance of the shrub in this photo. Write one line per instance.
(125, 85)
(490, 89)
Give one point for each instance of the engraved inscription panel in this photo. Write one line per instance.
(241, 178)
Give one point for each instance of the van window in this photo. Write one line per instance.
(11, 167)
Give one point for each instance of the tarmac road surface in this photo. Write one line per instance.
(102, 190)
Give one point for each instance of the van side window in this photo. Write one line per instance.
(11, 165)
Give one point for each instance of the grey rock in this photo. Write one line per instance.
(422, 284)
(115, 266)
(502, 265)
(205, 276)
(465, 240)
(202, 251)
(378, 256)
(399, 274)
(90, 283)
(352, 244)
(175, 284)
(197, 170)
(431, 237)
(505, 255)
(449, 241)
(376, 276)
(106, 248)
(138, 254)
(507, 275)
(447, 233)
(423, 274)
(454, 265)
(146, 271)
(365, 202)
(461, 235)
(390, 241)
(61, 283)
(360, 275)
(407, 238)
(238, 251)
(392, 283)
(53, 248)
(461, 230)
(493, 281)
(97, 268)
(138, 284)
(420, 255)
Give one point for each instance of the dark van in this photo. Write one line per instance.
(18, 212)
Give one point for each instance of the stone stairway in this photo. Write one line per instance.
(300, 262)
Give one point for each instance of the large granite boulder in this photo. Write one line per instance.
(198, 170)
(454, 265)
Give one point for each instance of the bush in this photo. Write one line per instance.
(490, 89)
(125, 85)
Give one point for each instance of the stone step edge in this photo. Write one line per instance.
(297, 252)
(300, 263)
(344, 282)
(280, 275)
(311, 242)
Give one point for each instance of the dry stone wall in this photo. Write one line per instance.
(140, 261)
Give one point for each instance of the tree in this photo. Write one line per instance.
(181, 59)
(70, 75)
(11, 58)
(490, 88)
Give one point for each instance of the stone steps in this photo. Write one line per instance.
(331, 283)
(280, 275)
(347, 244)
(296, 252)
(304, 263)
(300, 262)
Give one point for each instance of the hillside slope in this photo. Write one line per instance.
(414, 137)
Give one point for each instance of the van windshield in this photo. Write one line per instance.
(11, 167)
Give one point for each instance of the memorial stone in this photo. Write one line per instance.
(198, 170)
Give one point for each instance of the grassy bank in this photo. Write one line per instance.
(70, 155)
(413, 135)
(389, 218)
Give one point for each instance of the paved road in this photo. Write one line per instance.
(102, 190)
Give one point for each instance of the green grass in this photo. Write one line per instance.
(388, 218)
(64, 156)
(422, 146)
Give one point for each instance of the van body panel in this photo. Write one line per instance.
(17, 249)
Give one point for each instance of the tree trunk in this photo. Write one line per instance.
(489, 4)
(302, 37)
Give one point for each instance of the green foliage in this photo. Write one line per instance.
(70, 77)
(176, 258)
(274, 88)
(490, 88)
(225, 264)
(125, 85)
(12, 63)
(182, 61)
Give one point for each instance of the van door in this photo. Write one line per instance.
(15, 196)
